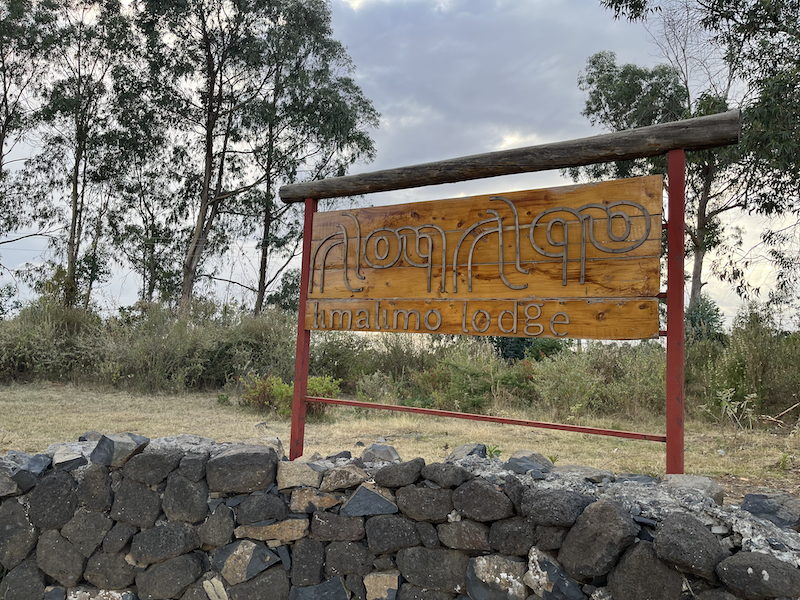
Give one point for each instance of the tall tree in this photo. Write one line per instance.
(257, 92)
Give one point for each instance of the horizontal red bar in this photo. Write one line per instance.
(458, 415)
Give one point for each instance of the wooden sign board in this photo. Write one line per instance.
(578, 261)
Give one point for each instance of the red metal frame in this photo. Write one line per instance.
(675, 343)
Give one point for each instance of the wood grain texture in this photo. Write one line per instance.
(699, 133)
(624, 319)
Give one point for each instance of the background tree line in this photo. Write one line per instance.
(154, 133)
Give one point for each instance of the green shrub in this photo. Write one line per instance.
(269, 394)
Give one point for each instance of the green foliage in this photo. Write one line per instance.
(517, 348)
(269, 394)
(704, 321)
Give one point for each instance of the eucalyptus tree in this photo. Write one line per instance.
(258, 92)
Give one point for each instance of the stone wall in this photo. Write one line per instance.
(120, 516)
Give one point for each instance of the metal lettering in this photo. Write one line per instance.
(438, 316)
(553, 323)
(406, 314)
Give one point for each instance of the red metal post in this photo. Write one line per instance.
(676, 174)
(303, 341)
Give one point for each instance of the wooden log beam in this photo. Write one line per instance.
(700, 133)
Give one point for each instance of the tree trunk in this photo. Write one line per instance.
(262, 271)
(701, 231)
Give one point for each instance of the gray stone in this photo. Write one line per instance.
(272, 584)
(553, 507)
(409, 591)
(94, 489)
(23, 582)
(481, 501)
(534, 457)
(513, 536)
(66, 458)
(55, 592)
(170, 578)
(59, 559)
(309, 500)
(427, 534)
(333, 589)
(390, 533)
(285, 556)
(685, 543)
(445, 474)
(599, 537)
(152, 467)
(548, 579)
(465, 450)
(308, 556)
(368, 500)
(524, 465)
(346, 454)
(704, 485)
(343, 558)
(355, 583)
(242, 469)
(380, 453)
(293, 473)
(92, 593)
(496, 578)
(717, 594)
(260, 507)
(382, 585)
(185, 500)
(781, 508)
(91, 436)
(343, 478)
(640, 574)
(425, 504)
(118, 537)
(86, 530)
(401, 474)
(193, 465)
(17, 534)
(8, 486)
(137, 504)
(439, 569)
(53, 501)
(218, 528)
(242, 560)
(465, 535)
(756, 576)
(25, 469)
(327, 527)
(115, 449)
(109, 571)
(587, 473)
(550, 538)
(166, 541)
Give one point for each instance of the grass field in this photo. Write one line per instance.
(37, 415)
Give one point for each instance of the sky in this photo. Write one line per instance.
(453, 78)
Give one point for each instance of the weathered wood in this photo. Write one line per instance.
(700, 133)
(589, 319)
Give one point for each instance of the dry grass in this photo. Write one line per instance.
(34, 416)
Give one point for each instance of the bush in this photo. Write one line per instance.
(270, 394)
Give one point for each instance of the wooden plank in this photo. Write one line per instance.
(689, 134)
(593, 319)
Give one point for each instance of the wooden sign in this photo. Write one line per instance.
(578, 261)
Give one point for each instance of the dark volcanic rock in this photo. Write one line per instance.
(59, 559)
(380, 453)
(548, 579)
(465, 535)
(640, 574)
(114, 450)
(193, 466)
(685, 543)
(24, 469)
(153, 467)
(465, 450)
(550, 538)
(446, 475)
(308, 558)
(327, 527)
(333, 589)
(599, 537)
(23, 582)
(242, 469)
(218, 528)
(390, 533)
(185, 500)
(513, 536)
(440, 569)
(118, 537)
(272, 584)
(260, 507)
(53, 501)
(355, 583)
(400, 475)
(242, 560)
(553, 507)
(367, 501)
(481, 501)
(525, 465)
(109, 571)
(425, 504)
(165, 541)
(756, 576)
(409, 591)
(137, 504)
(17, 534)
(94, 490)
(169, 578)
(427, 534)
(343, 558)
(781, 508)
(86, 530)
